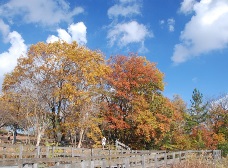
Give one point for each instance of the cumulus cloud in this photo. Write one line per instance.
(126, 33)
(78, 32)
(125, 8)
(64, 35)
(8, 60)
(75, 32)
(40, 11)
(206, 31)
(187, 6)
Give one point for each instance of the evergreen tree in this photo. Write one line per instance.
(197, 112)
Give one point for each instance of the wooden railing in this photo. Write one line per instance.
(27, 156)
(120, 145)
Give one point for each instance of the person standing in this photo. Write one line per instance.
(103, 142)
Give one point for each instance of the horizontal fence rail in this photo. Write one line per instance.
(41, 156)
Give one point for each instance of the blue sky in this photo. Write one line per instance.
(188, 39)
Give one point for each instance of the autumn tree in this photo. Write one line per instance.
(218, 116)
(179, 104)
(133, 83)
(13, 112)
(178, 137)
(4, 117)
(61, 79)
(218, 121)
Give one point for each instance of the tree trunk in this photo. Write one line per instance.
(14, 135)
(75, 139)
(38, 139)
(80, 138)
(40, 133)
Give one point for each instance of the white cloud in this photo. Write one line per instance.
(76, 32)
(142, 48)
(127, 1)
(162, 22)
(4, 29)
(52, 38)
(206, 31)
(64, 35)
(8, 60)
(126, 33)
(122, 10)
(171, 23)
(187, 6)
(40, 11)
(125, 8)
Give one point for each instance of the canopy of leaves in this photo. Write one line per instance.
(71, 93)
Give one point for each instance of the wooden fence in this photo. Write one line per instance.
(120, 145)
(31, 156)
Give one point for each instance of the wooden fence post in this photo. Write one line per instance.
(92, 164)
(53, 148)
(165, 158)
(109, 158)
(180, 156)
(4, 151)
(215, 154)
(155, 161)
(103, 163)
(143, 161)
(126, 162)
(38, 151)
(72, 152)
(47, 151)
(83, 164)
(174, 157)
(64, 152)
(21, 152)
(91, 152)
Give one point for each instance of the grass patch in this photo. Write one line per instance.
(201, 161)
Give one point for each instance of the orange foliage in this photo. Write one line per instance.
(207, 137)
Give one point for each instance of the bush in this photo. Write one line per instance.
(224, 148)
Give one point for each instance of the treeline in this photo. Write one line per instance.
(66, 91)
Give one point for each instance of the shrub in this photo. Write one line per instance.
(224, 148)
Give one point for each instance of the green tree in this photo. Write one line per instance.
(197, 112)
